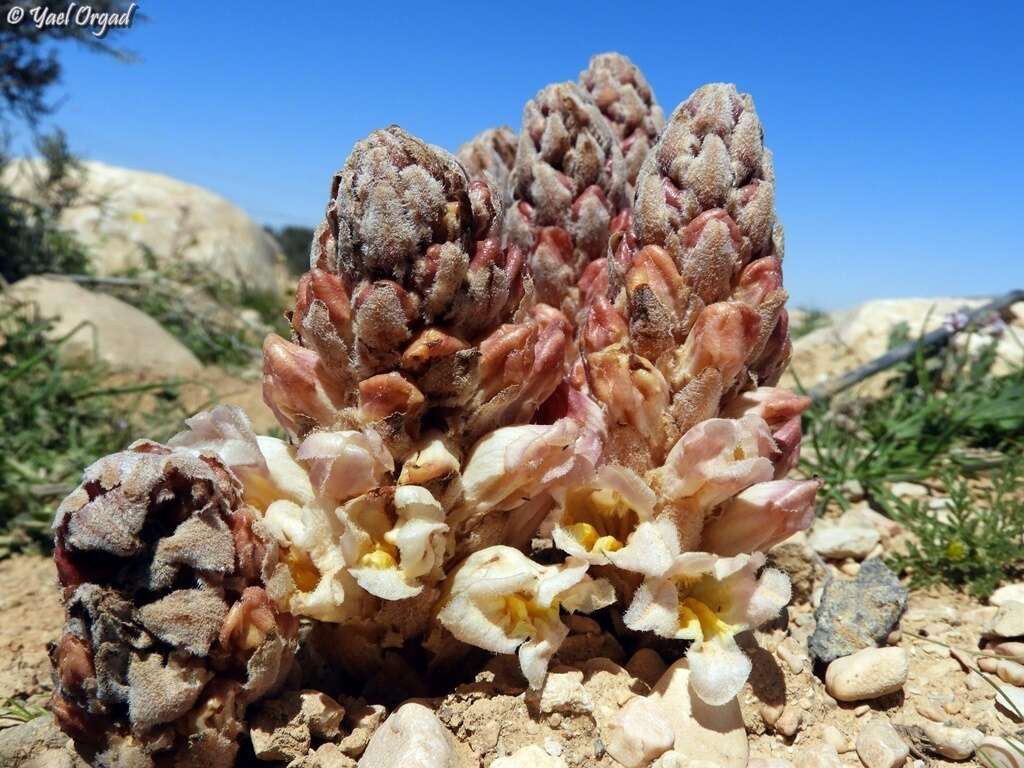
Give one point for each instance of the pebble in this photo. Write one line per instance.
(930, 710)
(563, 691)
(819, 756)
(793, 658)
(907, 490)
(1011, 650)
(362, 720)
(1010, 672)
(850, 568)
(840, 541)
(867, 674)
(861, 710)
(857, 614)
(769, 762)
(329, 755)
(529, 757)
(638, 733)
(715, 734)
(1001, 753)
(1008, 621)
(789, 723)
(1011, 700)
(646, 665)
(802, 564)
(1003, 595)
(673, 759)
(880, 746)
(39, 743)
(412, 737)
(853, 489)
(863, 515)
(771, 713)
(950, 742)
(322, 713)
(836, 739)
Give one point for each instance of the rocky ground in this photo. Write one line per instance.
(846, 677)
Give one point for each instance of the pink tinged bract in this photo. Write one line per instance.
(761, 516)
(718, 458)
(345, 464)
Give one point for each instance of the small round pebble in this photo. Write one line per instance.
(867, 674)
(880, 746)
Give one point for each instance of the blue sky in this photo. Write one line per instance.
(897, 127)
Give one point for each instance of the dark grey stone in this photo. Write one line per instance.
(857, 613)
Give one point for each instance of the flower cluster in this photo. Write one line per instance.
(492, 419)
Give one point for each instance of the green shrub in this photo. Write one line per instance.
(976, 542)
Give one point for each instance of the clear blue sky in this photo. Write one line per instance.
(898, 128)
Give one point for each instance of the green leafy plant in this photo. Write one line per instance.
(946, 421)
(56, 417)
(31, 240)
(976, 541)
(15, 711)
(937, 413)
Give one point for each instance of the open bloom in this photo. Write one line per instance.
(501, 600)
(394, 540)
(295, 492)
(709, 599)
(610, 519)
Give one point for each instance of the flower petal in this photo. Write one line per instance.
(718, 669)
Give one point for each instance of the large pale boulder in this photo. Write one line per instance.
(121, 336)
(123, 214)
(858, 335)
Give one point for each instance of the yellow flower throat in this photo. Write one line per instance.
(699, 612)
(521, 614)
(600, 520)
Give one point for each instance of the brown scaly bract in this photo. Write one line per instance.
(414, 315)
(626, 100)
(169, 634)
(492, 152)
(694, 314)
(568, 184)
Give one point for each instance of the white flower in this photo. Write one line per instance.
(394, 540)
(501, 601)
(610, 519)
(709, 599)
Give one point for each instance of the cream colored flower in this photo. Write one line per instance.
(502, 601)
(394, 540)
(311, 579)
(610, 519)
(709, 599)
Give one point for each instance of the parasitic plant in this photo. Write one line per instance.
(493, 418)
